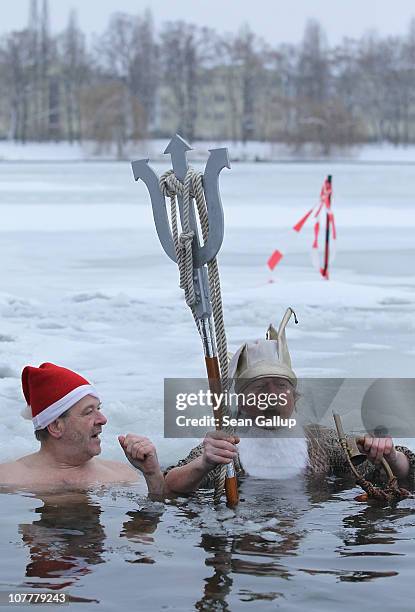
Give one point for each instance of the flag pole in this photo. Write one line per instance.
(325, 269)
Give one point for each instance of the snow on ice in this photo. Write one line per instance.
(85, 283)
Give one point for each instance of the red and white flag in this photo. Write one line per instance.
(324, 204)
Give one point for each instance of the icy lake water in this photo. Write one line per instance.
(85, 284)
(296, 546)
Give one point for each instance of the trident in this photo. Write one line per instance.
(201, 254)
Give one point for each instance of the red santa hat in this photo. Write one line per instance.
(50, 390)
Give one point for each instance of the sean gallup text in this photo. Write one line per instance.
(259, 421)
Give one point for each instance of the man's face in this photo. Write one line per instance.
(82, 426)
(273, 396)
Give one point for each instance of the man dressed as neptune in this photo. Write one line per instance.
(264, 367)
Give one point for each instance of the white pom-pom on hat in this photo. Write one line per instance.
(26, 412)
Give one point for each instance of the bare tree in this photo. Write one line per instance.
(250, 66)
(186, 51)
(16, 62)
(312, 87)
(74, 72)
(284, 71)
(104, 106)
(408, 84)
(34, 73)
(45, 44)
(229, 74)
(128, 52)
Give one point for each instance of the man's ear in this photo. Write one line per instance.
(56, 428)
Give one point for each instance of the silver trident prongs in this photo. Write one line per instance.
(202, 254)
(218, 159)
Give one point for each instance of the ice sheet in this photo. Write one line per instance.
(86, 285)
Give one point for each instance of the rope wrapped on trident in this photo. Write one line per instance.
(325, 203)
(198, 268)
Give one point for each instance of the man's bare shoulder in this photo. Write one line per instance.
(120, 470)
(17, 471)
(6, 471)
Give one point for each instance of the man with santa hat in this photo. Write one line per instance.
(262, 368)
(65, 410)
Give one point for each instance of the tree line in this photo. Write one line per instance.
(133, 82)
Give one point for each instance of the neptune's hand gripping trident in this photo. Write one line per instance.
(201, 254)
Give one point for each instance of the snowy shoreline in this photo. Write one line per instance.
(261, 152)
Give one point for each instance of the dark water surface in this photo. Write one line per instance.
(288, 546)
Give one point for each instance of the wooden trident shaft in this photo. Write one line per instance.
(201, 254)
(231, 482)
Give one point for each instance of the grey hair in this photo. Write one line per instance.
(43, 434)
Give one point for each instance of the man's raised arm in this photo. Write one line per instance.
(142, 455)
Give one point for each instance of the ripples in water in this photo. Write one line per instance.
(289, 545)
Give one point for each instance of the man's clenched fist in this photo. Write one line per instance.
(141, 453)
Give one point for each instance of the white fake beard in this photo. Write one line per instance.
(274, 457)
